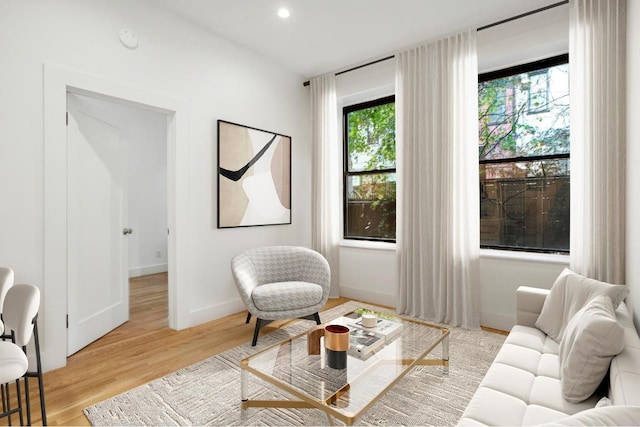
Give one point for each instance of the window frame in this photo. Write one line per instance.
(530, 67)
(389, 99)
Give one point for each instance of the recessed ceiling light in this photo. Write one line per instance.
(284, 13)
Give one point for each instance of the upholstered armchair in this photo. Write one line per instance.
(281, 282)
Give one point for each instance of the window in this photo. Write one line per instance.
(524, 158)
(500, 103)
(370, 170)
(538, 91)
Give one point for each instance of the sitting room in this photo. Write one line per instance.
(207, 194)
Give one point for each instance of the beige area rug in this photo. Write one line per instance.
(208, 392)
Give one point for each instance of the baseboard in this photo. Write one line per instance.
(496, 321)
(388, 300)
(149, 269)
(214, 312)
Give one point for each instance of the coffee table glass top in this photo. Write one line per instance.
(344, 393)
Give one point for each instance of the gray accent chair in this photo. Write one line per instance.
(281, 282)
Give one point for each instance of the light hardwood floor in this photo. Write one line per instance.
(141, 350)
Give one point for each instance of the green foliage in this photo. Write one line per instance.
(514, 122)
(497, 132)
(371, 198)
(525, 204)
(372, 138)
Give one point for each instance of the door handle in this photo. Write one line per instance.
(126, 231)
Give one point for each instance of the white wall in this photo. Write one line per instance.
(633, 157)
(147, 192)
(370, 273)
(215, 78)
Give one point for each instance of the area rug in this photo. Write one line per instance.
(208, 392)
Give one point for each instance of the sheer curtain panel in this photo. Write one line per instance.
(326, 185)
(597, 84)
(438, 219)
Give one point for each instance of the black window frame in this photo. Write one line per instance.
(507, 72)
(391, 99)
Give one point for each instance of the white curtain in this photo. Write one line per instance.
(326, 184)
(597, 85)
(437, 162)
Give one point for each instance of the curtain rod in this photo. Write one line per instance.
(485, 27)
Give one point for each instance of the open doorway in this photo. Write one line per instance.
(58, 81)
(117, 216)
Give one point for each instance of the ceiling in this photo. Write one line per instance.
(329, 35)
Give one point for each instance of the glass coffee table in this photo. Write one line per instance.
(343, 394)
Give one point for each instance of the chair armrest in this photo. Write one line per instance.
(529, 302)
(244, 275)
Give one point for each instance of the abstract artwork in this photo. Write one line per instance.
(254, 176)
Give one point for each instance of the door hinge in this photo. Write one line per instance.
(67, 119)
(67, 321)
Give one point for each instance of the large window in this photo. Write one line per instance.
(524, 157)
(370, 170)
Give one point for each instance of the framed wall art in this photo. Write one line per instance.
(254, 176)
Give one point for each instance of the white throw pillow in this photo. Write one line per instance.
(592, 337)
(569, 293)
(606, 416)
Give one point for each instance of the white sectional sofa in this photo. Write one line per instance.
(523, 385)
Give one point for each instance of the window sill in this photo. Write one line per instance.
(525, 256)
(484, 253)
(367, 244)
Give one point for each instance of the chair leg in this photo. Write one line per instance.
(316, 316)
(6, 403)
(27, 398)
(36, 341)
(4, 337)
(38, 375)
(19, 401)
(248, 317)
(255, 332)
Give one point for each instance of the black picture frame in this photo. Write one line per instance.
(254, 176)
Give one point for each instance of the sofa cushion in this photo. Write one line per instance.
(522, 386)
(592, 337)
(492, 407)
(568, 295)
(286, 295)
(603, 416)
(624, 373)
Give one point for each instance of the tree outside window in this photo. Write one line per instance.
(370, 170)
(524, 158)
(538, 91)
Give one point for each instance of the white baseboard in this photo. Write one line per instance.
(149, 269)
(364, 295)
(496, 321)
(214, 312)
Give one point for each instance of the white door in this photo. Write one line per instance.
(97, 288)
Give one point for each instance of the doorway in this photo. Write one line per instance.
(57, 82)
(117, 213)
